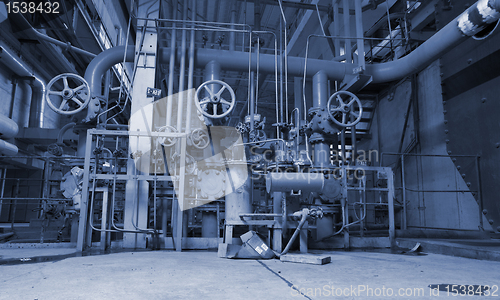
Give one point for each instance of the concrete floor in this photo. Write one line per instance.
(202, 275)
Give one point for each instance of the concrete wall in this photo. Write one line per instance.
(424, 209)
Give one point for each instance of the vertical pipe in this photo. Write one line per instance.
(252, 100)
(191, 70)
(212, 72)
(336, 27)
(256, 15)
(359, 33)
(354, 148)
(347, 31)
(320, 99)
(170, 91)
(232, 34)
(404, 189)
(281, 74)
(182, 71)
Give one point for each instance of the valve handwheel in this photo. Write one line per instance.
(347, 105)
(70, 100)
(258, 138)
(165, 140)
(214, 102)
(200, 139)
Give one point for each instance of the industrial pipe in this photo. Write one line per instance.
(63, 131)
(471, 22)
(171, 67)
(8, 148)
(287, 181)
(102, 63)
(8, 128)
(37, 85)
(303, 219)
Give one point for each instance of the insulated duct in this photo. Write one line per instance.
(37, 86)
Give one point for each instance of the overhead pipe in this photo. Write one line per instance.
(8, 127)
(171, 67)
(191, 69)
(102, 63)
(347, 31)
(320, 99)
(451, 35)
(7, 148)
(469, 23)
(37, 85)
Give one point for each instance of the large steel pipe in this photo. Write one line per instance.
(8, 128)
(37, 85)
(472, 21)
(8, 148)
(103, 62)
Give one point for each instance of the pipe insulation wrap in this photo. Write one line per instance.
(287, 181)
(8, 128)
(7, 148)
(482, 13)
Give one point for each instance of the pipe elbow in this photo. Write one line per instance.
(103, 62)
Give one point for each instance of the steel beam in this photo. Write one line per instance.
(137, 192)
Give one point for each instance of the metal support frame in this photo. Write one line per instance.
(141, 119)
(390, 197)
